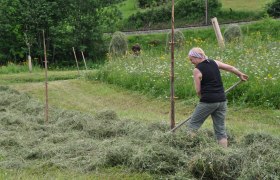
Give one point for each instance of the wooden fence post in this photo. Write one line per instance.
(46, 80)
(84, 59)
(76, 60)
(218, 32)
(29, 63)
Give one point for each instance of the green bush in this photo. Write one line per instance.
(196, 8)
(148, 17)
(150, 3)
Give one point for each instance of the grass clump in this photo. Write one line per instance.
(14, 68)
(233, 33)
(179, 40)
(118, 45)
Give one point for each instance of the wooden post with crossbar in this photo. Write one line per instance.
(172, 101)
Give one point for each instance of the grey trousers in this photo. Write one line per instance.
(216, 110)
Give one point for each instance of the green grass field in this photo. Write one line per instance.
(128, 7)
(240, 5)
(91, 97)
(74, 145)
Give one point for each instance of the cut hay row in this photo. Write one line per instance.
(84, 143)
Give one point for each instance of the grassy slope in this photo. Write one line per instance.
(128, 7)
(249, 5)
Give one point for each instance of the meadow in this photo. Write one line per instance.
(98, 131)
(113, 122)
(257, 55)
(128, 7)
(240, 5)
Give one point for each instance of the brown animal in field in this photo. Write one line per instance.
(136, 49)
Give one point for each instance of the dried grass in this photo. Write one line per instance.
(81, 142)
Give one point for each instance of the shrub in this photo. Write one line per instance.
(154, 15)
(193, 8)
(273, 9)
(233, 33)
(150, 3)
(118, 45)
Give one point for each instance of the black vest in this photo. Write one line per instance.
(212, 89)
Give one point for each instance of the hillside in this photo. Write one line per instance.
(157, 16)
(128, 7)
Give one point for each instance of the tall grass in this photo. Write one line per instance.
(258, 56)
(11, 68)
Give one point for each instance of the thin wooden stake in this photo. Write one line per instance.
(46, 80)
(172, 101)
(76, 60)
(84, 59)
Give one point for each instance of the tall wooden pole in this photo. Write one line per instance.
(46, 80)
(172, 101)
(206, 12)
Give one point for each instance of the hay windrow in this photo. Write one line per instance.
(158, 159)
(82, 142)
(217, 163)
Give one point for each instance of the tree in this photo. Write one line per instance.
(273, 8)
(67, 23)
